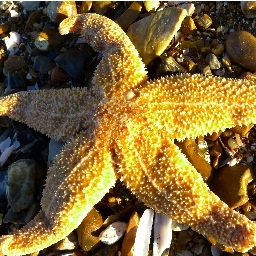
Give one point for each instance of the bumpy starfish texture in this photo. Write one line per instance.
(124, 127)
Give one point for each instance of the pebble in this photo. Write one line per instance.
(32, 211)
(30, 5)
(16, 80)
(91, 222)
(218, 49)
(85, 7)
(48, 39)
(204, 22)
(73, 62)
(68, 243)
(21, 184)
(129, 16)
(3, 185)
(5, 27)
(12, 42)
(34, 17)
(151, 5)
(249, 9)
(213, 61)
(14, 63)
(153, 34)
(230, 184)
(42, 64)
(188, 26)
(129, 238)
(241, 47)
(192, 151)
(113, 232)
(58, 76)
(57, 11)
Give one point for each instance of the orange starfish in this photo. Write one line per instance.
(124, 127)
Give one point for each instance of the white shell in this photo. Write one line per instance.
(162, 233)
(113, 232)
(142, 239)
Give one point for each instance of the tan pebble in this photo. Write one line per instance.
(249, 9)
(230, 184)
(188, 26)
(129, 16)
(241, 47)
(151, 37)
(192, 152)
(91, 222)
(129, 238)
(151, 5)
(68, 243)
(48, 39)
(100, 7)
(14, 63)
(85, 7)
(218, 49)
(57, 11)
(204, 22)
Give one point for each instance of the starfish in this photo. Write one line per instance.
(124, 127)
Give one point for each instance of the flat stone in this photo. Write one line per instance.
(21, 184)
(91, 222)
(153, 34)
(249, 9)
(42, 64)
(230, 184)
(241, 47)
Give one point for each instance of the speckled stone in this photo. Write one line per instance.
(241, 47)
(249, 9)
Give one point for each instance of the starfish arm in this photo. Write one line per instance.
(121, 68)
(158, 173)
(81, 175)
(60, 114)
(188, 106)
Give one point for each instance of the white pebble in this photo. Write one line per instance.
(113, 232)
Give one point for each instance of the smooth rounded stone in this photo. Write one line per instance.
(14, 63)
(129, 16)
(17, 80)
(130, 234)
(73, 62)
(21, 184)
(153, 34)
(213, 61)
(218, 49)
(58, 76)
(113, 232)
(32, 211)
(249, 9)
(48, 39)
(169, 65)
(5, 27)
(188, 26)
(15, 217)
(30, 5)
(241, 47)
(34, 17)
(68, 243)
(100, 7)
(57, 11)
(92, 222)
(151, 5)
(230, 184)
(196, 157)
(204, 22)
(42, 64)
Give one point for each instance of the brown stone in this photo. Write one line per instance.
(188, 26)
(58, 76)
(204, 22)
(14, 63)
(129, 16)
(91, 222)
(34, 17)
(5, 27)
(241, 47)
(230, 184)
